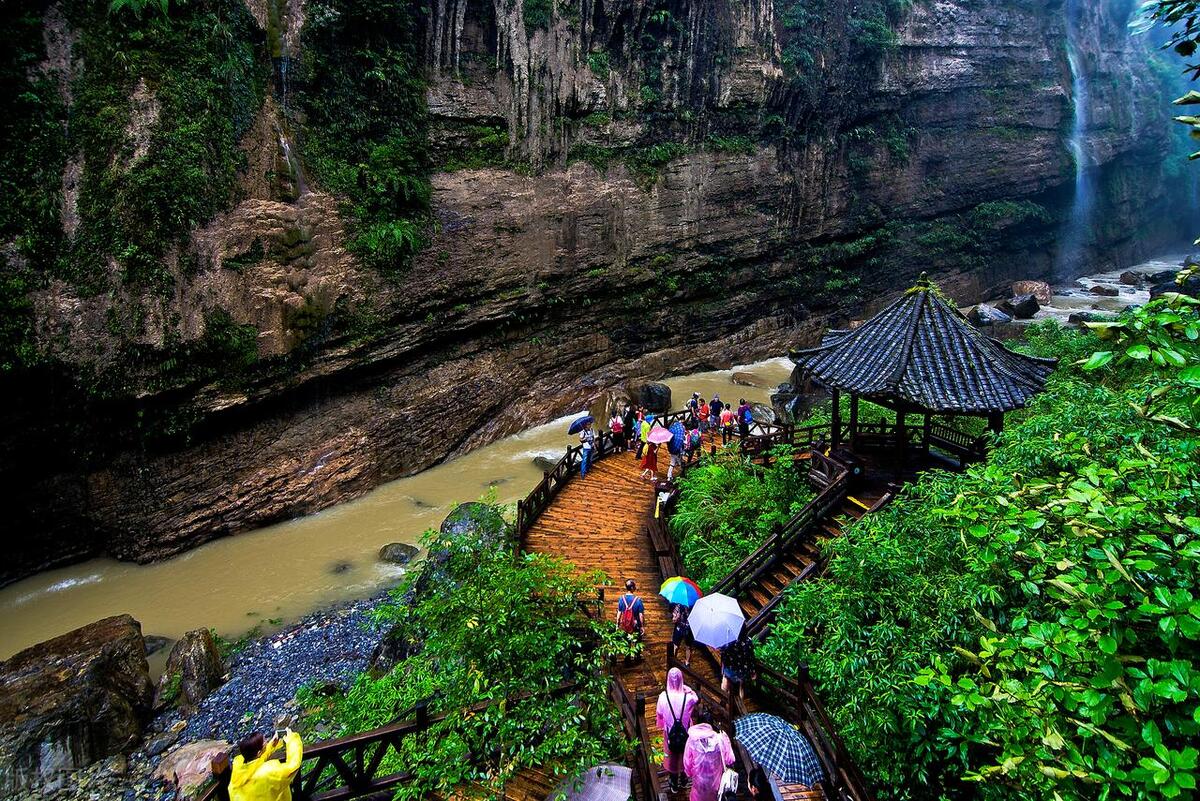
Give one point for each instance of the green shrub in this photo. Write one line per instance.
(599, 64)
(1034, 621)
(537, 13)
(486, 625)
(728, 507)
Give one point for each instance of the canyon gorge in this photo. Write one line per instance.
(296, 248)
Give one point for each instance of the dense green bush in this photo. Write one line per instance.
(364, 133)
(486, 625)
(1029, 628)
(727, 508)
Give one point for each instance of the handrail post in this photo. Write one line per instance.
(422, 712)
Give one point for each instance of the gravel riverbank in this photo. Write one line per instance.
(328, 646)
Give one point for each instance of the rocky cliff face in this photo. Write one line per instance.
(620, 189)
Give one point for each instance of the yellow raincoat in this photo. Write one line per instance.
(266, 779)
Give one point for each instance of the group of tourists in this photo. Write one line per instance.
(696, 751)
(631, 426)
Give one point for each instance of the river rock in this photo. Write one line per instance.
(984, 315)
(194, 669)
(1105, 291)
(655, 397)
(1131, 278)
(155, 643)
(544, 463)
(398, 553)
(1189, 287)
(1039, 289)
(479, 519)
(746, 379)
(72, 700)
(189, 767)
(1081, 317)
(1022, 307)
(762, 413)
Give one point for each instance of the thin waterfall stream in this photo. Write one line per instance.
(1076, 229)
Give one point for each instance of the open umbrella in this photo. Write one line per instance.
(777, 746)
(716, 620)
(660, 435)
(579, 424)
(601, 783)
(680, 590)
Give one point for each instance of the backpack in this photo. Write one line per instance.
(677, 735)
(747, 416)
(627, 622)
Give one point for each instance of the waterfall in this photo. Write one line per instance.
(281, 58)
(1075, 233)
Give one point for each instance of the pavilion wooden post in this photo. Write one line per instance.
(901, 441)
(837, 419)
(853, 420)
(995, 422)
(925, 434)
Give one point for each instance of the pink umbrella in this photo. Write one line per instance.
(660, 435)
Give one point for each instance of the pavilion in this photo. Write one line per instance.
(920, 356)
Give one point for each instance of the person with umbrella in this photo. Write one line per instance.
(674, 717)
(778, 747)
(707, 753)
(737, 663)
(654, 438)
(681, 593)
(587, 441)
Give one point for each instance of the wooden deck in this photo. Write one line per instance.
(598, 523)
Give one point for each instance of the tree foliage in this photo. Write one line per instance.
(483, 624)
(1029, 627)
(727, 508)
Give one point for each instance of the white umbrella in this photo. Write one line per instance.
(601, 783)
(716, 620)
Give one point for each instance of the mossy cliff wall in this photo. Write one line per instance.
(261, 257)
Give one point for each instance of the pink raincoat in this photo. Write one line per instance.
(678, 699)
(707, 755)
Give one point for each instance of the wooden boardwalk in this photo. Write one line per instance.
(598, 523)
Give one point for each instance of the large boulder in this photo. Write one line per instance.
(655, 397)
(545, 463)
(194, 669)
(190, 767)
(72, 700)
(1189, 287)
(983, 315)
(1022, 307)
(479, 519)
(762, 413)
(1131, 278)
(1105, 291)
(1039, 289)
(398, 553)
(745, 378)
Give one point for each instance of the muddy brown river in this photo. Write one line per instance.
(269, 577)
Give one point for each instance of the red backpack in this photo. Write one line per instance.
(627, 622)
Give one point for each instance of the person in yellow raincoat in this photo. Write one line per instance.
(255, 776)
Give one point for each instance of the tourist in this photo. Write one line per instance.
(694, 443)
(643, 432)
(256, 776)
(714, 410)
(617, 426)
(674, 718)
(681, 633)
(628, 417)
(694, 405)
(675, 449)
(727, 417)
(587, 442)
(737, 664)
(703, 415)
(744, 418)
(707, 753)
(761, 786)
(650, 463)
(631, 617)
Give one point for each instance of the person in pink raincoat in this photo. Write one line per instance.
(675, 704)
(706, 756)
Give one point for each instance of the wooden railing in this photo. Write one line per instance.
(802, 526)
(633, 713)
(843, 779)
(349, 767)
(960, 444)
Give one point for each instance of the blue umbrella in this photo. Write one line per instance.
(680, 437)
(579, 424)
(777, 746)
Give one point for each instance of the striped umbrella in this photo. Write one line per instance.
(779, 748)
(680, 590)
